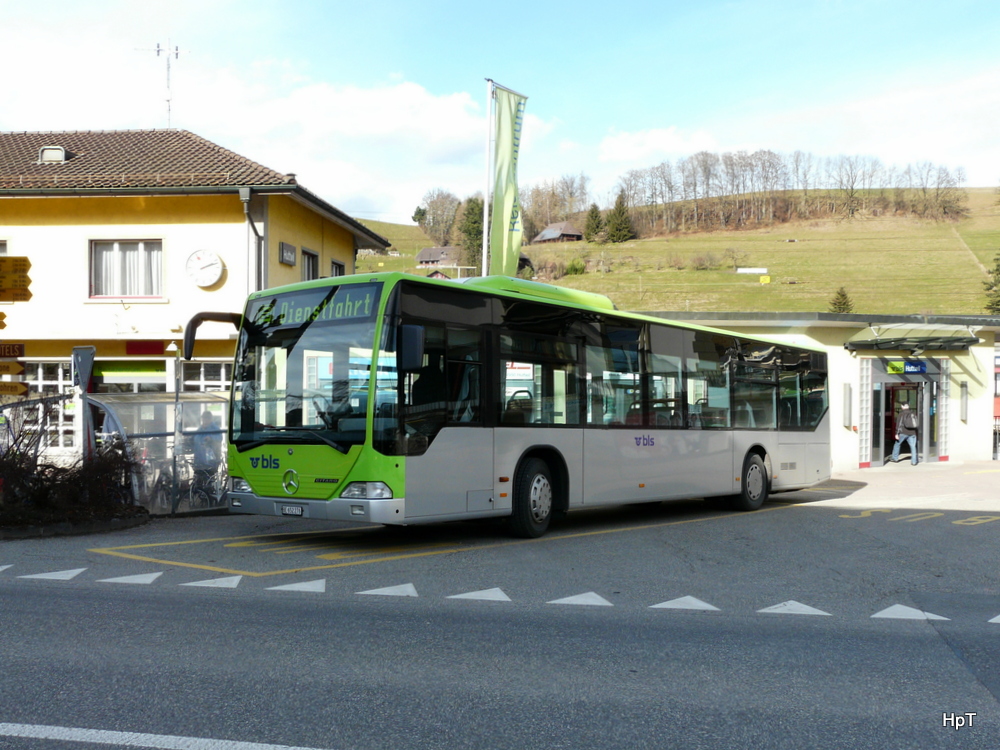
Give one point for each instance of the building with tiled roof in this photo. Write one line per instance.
(130, 233)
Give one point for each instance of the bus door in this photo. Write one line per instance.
(443, 402)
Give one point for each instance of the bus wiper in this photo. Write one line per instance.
(249, 445)
(314, 432)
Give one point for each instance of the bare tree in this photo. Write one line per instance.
(440, 208)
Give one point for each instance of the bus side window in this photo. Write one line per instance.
(464, 375)
(706, 380)
(426, 390)
(666, 365)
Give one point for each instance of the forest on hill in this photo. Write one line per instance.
(709, 191)
(887, 259)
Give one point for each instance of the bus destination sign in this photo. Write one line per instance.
(347, 302)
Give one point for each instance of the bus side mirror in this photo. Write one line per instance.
(410, 348)
(192, 327)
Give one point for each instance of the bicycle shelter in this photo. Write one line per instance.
(181, 453)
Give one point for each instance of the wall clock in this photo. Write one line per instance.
(204, 267)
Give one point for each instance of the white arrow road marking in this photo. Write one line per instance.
(317, 587)
(59, 575)
(995, 619)
(406, 589)
(793, 608)
(229, 582)
(491, 595)
(686, 602)
(901, 612)
(142, 578)
(589, 599)
(133, 739)
(4, 567)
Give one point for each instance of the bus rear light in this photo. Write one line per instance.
(367, 491)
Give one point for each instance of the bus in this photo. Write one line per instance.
(393, 399)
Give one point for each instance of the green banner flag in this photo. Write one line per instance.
(505, 228)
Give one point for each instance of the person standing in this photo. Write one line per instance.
(906, 429)
(207, 449)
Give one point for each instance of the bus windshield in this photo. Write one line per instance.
(303, 364)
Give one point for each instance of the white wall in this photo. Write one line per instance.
(60, 307)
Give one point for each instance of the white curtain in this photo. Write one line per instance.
(127, 269)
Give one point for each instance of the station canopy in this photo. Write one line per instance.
(915, 338)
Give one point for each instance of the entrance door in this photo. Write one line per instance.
(894, 398)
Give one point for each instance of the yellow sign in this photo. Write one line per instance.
(765, 279)
(13, 389)
(14, 280)
(14, 295)
(14, 264)
(11, 368)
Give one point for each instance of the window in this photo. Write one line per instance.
(206, 376)
(310, 265)
(447, 388)
(802, 398)
(337, 268)
(667, 403)
(706, 380)
(126, 268)
(54, 419)
(614, 377)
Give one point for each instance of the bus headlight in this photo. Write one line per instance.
(239, 484)
(367, 491)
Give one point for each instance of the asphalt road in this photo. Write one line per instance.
(855, 615)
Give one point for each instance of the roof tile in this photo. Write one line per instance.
(126, 159)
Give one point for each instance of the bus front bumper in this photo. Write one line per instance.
(363, 511)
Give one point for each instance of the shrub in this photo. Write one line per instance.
(576, 267)
(706, 262)
(35, 492)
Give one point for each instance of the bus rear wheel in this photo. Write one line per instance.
(754, 484)
(533, 494)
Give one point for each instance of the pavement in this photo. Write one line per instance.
(964, 485)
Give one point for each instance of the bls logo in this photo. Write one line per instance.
(265, 462)
(645, 440)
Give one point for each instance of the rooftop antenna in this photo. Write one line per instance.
(167, 52)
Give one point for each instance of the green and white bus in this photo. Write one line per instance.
(393, 399)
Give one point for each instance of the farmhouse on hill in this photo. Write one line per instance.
(562, 231)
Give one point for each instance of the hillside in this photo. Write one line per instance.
(888, 265)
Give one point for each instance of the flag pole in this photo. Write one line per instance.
(486, 193)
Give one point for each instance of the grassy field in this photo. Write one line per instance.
(888, 265)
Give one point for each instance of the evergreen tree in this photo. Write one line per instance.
(993, 288)
(619, 222)
(470, 228)
(595, 224)
(841, 302)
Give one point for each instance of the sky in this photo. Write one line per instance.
(374, 104)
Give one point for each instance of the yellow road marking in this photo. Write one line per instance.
(296, 536)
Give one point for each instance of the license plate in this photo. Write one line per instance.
(291, 510)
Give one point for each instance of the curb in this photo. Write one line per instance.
(72, 529)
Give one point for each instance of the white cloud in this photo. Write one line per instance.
(644, 148)
(951, 123)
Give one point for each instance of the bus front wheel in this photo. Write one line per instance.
(532, 499)
(754, 484)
